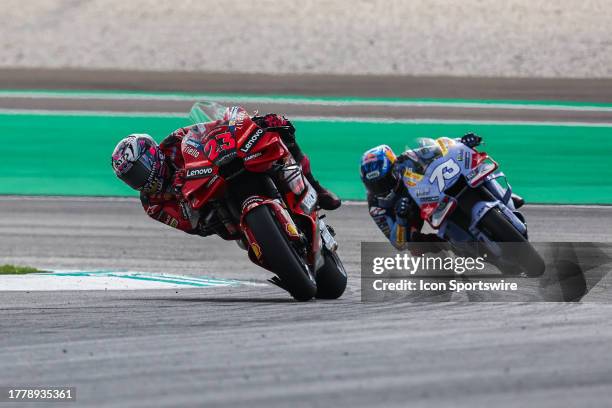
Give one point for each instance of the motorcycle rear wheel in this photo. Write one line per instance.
(280, 255)
(331, 277)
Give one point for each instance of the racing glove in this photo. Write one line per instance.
(401, 158)
(272, 120)
(403, 210)
(471, 140)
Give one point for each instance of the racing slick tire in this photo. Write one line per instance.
(280, 256)
(499, 229)
(331, 277)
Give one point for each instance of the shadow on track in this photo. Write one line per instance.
(217, 299)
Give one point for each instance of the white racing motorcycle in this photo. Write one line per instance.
(459, 193)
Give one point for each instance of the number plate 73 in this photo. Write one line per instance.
(443, 172)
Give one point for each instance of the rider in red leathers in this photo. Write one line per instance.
(157, 171)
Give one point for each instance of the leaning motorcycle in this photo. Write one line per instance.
(242, 176)
(463, 196)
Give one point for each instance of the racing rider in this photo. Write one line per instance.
(390, 205)
(157, 171)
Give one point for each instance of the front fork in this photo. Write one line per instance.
(501, 198)
(505, 196)
(503, 202)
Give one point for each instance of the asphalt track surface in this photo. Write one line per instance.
(431, 113)
(557, 89)
(253, 346)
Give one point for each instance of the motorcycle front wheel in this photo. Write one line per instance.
(279, 254)
(499, 229)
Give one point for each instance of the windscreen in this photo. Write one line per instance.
(203, 112)
(422, 156)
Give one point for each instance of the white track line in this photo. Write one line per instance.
(415, 121)
(432, 121)
(304, 101)
(110, 280)
(58, 112)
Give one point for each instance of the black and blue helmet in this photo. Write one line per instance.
(377, 170)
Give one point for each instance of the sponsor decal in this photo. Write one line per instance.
(253, 156)
(212, 180)
(252, 141)
(192, 151)
(372, 175)
(309, 201)
(226, 157)
(194, 143)
(183, 206)
(411, 174)
(256, 250)
(171, 221)
(422, 192)
(251, 200)
(236, 118)
(199, 172)
(429, 199)
(292, 230)
(153, 209)
(442, 146)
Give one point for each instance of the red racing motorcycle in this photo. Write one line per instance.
(244, 176)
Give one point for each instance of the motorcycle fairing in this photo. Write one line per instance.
(234, 140)
(452, 161)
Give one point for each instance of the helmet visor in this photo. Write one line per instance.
(138, 175)
(383, 185)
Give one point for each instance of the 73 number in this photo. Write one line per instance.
(443, 172)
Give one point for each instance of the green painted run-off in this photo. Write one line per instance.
(70, 154)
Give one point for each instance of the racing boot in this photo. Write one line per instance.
(327, 199)
(517, 201)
